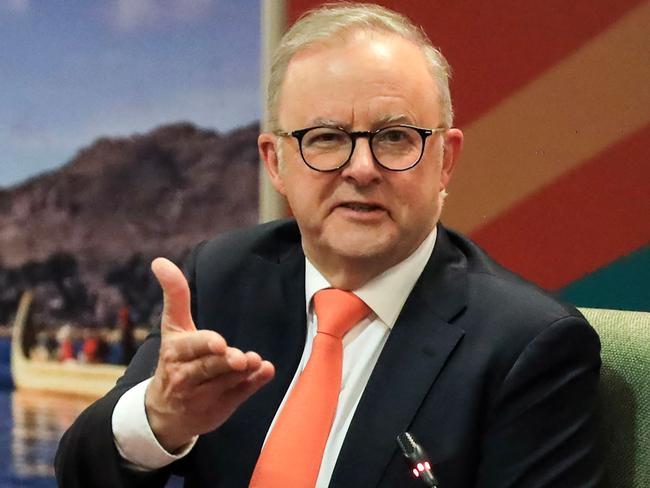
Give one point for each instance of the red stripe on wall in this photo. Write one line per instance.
(586, 219)
(496, 47)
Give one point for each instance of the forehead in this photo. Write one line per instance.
(358, 79)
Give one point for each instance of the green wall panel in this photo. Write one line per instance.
(623, 284)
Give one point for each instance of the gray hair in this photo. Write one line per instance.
(333, 20)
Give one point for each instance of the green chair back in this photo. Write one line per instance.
(624, 397)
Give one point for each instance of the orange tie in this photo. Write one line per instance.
(292, 454)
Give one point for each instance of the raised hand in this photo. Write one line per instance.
(199, 380)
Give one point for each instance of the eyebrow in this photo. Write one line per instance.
(392, 119)
(384, 121)
(320, 121)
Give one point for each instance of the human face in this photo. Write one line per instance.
(362, 218)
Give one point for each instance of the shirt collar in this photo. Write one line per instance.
(386, 293)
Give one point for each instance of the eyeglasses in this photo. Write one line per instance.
(396, 148)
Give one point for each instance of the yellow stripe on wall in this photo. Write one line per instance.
(575, 110)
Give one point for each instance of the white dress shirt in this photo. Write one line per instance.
(362, 345)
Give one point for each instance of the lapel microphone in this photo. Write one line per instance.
(417, 459)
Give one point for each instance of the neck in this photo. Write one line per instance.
(350, 273)
(348, 277)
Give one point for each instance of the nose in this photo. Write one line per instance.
(362, 167)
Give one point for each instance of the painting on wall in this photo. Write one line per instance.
(128, 131)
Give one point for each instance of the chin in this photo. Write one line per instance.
(361, 245)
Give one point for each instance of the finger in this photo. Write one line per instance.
(208, 369)
(236, 359)
(262, 375)
(216, 387)
(253, 361)
(234, 388)
(193, 345)
(238, 394)
(211, 367)
(176, 314)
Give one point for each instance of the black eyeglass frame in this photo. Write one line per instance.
(369, 134)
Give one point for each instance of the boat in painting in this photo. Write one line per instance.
(69, 378)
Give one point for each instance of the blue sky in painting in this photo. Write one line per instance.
(74, 70)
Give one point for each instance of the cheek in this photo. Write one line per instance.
(420, 194)
(303, 195)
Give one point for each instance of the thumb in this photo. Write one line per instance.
(176, 314)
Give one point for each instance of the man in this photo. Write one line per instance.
(495, 379)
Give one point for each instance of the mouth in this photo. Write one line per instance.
(361, 211)
(361, 207)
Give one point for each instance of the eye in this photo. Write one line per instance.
(396, 136)
(325, 137)
(392, 135)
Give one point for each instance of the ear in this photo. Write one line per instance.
(267, 145)
(453, 144)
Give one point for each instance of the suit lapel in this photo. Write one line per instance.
(416, 351)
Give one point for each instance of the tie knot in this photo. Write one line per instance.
(338, 311)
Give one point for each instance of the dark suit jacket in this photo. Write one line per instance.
(496, 379)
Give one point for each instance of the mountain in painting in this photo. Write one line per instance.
(82, 237)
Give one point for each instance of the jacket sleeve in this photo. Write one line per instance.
(87, 455)
(542, 428)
